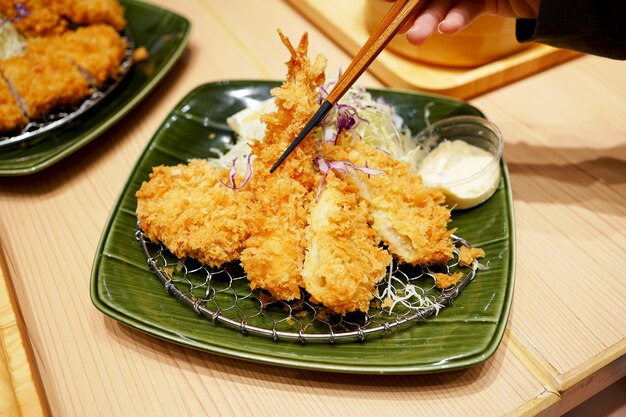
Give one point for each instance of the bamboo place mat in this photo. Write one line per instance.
(20, 394)
(344, 22)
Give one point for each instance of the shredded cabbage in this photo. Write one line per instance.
(375, 121)
(12, 43)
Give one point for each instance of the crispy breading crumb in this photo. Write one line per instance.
(467, 256)
(443, 281)
(140, 54)
(387, 302)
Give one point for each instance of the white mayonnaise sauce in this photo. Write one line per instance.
(467, 174)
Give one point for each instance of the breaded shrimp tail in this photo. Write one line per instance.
(343, 261)
(297, 100)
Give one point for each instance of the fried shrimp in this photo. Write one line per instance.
(343, 261)
(274, 253)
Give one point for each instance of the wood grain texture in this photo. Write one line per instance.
(565, 146)
(567, 158)
(345, 22)
(389, 25)
(20, 386)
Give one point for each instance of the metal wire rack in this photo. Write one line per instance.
(224, 296)
(35, 128)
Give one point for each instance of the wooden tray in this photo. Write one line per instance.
(21, 393)
(344, 22)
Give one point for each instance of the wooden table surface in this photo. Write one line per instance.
(565, 133)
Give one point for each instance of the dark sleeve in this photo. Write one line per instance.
(595, 27)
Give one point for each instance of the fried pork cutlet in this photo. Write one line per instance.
(274, 253)
(189, 210)
(408, 217)
(343, 260)
(44, 83)
(35, 17)
(88, 12)
(97, 50)
(11, 117)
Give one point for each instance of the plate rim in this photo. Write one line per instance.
(124, 110)
(263, 358)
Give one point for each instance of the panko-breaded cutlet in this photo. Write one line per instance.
(72, 48)
(97, 50)
(89, 12)
(11, 116)
(52, 17)
(44, 83)
(188, 209)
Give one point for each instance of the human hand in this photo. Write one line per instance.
(452, 16)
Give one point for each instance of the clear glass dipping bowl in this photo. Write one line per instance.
(466, 175)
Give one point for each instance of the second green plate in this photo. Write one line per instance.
(164, 34)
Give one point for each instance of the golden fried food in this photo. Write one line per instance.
(52, 59)
(323, 221)
(11, 116)
(97, 50)
(35, 17)
(467, 256)
(443, 281)
(89, 12)
(409, 218)
(274, 253)
(188, 209)
(44, 83)
(344, 261)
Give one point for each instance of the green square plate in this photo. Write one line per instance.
(164, 34)
(462, 335)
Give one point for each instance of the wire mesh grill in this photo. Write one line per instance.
(224, 296)
(34, 128)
